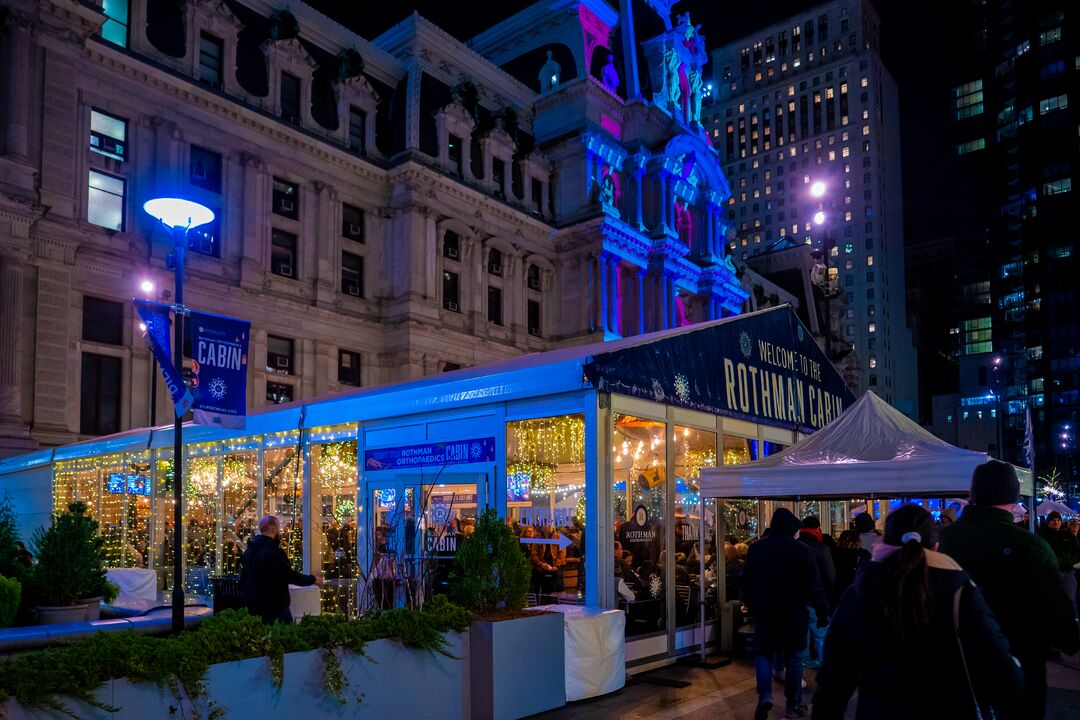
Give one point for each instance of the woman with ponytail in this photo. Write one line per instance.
(914, 636)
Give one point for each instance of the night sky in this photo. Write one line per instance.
(904, 27)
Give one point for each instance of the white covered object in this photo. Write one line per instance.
(304, 601)
(870, 449)
(595, 642)
(134, 583)
(1048, 506)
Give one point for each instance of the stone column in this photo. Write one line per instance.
(637, 199)
(13, 432)
(16, 76)
(641, 301)
(708, 216)
(665, 304)
(604, 288)
(613, 295)
(256, 233)
(669, 202)
(662, 204)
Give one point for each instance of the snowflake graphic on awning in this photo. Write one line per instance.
(682, 388)
(658, 391)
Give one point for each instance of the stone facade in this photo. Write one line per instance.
(411, 202)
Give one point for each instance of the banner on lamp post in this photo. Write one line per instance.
(156, 318)
(219, 362)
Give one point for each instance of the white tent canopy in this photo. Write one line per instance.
(870, 450)
(1048, 506)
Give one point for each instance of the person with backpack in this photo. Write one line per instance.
(914, 636)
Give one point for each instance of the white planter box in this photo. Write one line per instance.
(390, 680)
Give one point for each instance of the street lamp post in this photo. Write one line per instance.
(817, 190)
(179, 216)
(997, 408)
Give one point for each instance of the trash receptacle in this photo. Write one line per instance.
(227, 594)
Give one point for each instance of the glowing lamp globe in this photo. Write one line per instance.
(817, 189)
(147, 286)
(819, 217)
(178, 213)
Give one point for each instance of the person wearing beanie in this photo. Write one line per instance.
(780, 581)
(1063, 543)
(867, 529)
(811, 536)
(895, 631)
(1018, 575)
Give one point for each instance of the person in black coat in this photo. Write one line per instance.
(898, 633)
(846, 558)
(779, 583)
(822, 556)
(265, 575)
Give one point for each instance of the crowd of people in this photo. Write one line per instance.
(953, 617)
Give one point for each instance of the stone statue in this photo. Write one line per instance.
(671, 76)
(696, 85)
(607, 189)
(610, 76)
(550, 72)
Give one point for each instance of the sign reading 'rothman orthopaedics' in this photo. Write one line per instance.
(219, 362)
(455, 452)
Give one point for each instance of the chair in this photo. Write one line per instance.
(682, 601)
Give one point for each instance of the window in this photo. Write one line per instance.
(495, 263)
(451, 248)
(978, 336)
(352, 274)
(453, 147)
(534, 277)
(450, 291)
(286, 196)
(1050, 36)
(204, 169)
(102, 321)
(1057, 187)
(534, 318)
(494, 305)
(99, 402)
(968, 99)
(105, 201)
(283, 254)
(290, 97)
(498, 176)
(1054, 103)
(972, 146)
(352, 222)
(357, 129)
(115, 29)
(206, 239)
(211, 55)
(537, 194)
(348, 368)
(108, 135)
(871, 327)
(278, 393)
(279, 355)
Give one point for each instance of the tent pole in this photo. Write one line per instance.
(701, 568)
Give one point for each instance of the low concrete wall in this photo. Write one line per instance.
(389, 680)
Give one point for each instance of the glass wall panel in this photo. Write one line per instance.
(137, 510)
(240, 515)
(162, 549)
(202, 502)
(639, 510)
(110, 512)
(694, 450)
(545, 497)
(283, 495)
(333, 481)
(393, 517)
(740, 514)
(447, 513)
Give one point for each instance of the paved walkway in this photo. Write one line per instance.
(727, 693)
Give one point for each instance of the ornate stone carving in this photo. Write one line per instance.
(550, 73)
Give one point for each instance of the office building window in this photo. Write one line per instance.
(286, 199)
(283, 254)
(105, 201)
(534, 318)
(204, 169)
(495, 263)
(99, 402)
(279, 393)
(1059, 102)
(967, 99)
(290, 98)
(352, 222)
(108, 135)
(357, 129)
(211, 60)
(102, 321)
(206, 239)
(494, 305)
(115, 28)
(352, 274)
(279, 355)
(1057, 187)
(450, 291)
(348, 368)
(451, 245)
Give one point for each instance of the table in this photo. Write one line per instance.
(304, 601)
(595, 642)
(134, 583)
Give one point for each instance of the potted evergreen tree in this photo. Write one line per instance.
(516, 657)
(68, 581)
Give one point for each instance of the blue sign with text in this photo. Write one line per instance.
(219, 362)
(455, 452)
